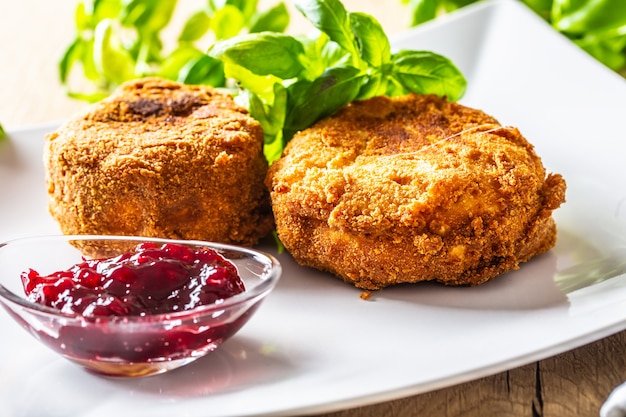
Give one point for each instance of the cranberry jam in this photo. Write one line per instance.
(153, 279)
(136, 314)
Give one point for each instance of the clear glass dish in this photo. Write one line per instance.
(128, 345)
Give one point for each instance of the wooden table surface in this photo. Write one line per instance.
(33, 35)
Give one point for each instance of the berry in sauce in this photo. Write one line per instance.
(152, 280)
(122, 306)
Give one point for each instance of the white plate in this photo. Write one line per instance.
(315, 346)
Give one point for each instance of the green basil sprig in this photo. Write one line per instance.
(288, 82)
(2, 133)
(118, 40)
(597, 26)
(425, 10)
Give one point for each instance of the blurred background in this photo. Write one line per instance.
(35, 33)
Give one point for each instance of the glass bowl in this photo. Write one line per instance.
(128, 345)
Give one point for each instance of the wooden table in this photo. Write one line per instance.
(33, 34)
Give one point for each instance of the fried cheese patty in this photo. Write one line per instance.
(162, 159)
(409, 189)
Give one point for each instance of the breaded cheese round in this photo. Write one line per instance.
(160, 159)
(409, 189)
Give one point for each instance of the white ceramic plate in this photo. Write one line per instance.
(315, 346)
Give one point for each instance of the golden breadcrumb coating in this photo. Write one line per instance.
(162, 159)
(409, 189)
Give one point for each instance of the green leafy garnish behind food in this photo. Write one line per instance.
(597, 26)
(2, 133)
(118, 40)
(288, 82)
(425, 10)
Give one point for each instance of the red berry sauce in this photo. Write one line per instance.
(117, 302)
(152, 280)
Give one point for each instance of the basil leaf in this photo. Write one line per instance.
(425, 72)
(195, 27)
(607, 46)
(3, 134)
(423, 11)
(204, 70)
(273, 149)
(87, 60)
(102, 9)
(246, 7)
(89, 13)
(110, 59)
(349, 59)
(275, 19)
(451, 5)
(330, 54)
(119, 40)
(263, 54)
(580, 16)
(320, 54)
(172, 65)
(80, 52)
(377, 83)
(72, 55)
(373, 42)
(88, 97)
(145, 51)
(82, 18)
(271, 116)
(310, 101)
(227, 22)
(541, 7)
(148, 15)
(330, 17)
(394, 88)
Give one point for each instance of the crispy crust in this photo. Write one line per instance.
(412, 189)
(159, 158)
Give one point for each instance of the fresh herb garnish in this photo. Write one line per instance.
(2, 133)
(118, 40)
(288, 82)
(425, 10)
(597, 26)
